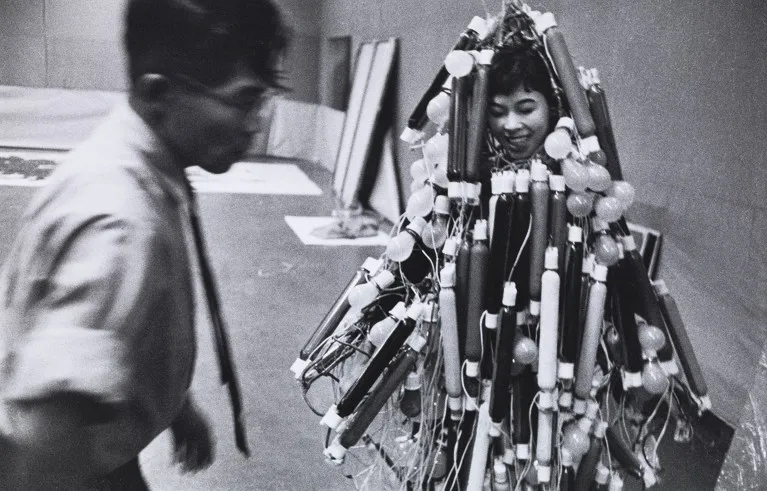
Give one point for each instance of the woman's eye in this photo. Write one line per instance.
(526, 108)
(496, 112)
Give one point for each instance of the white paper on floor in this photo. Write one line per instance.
(303, 227)
(255, 178)
(243, 177)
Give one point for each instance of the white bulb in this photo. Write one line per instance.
(654, 379)
(459, 63)
(580, 204)
(623, 192)
(381, 330)
(438, 109)
(606, 250)
(599, 177)
(435, 150)
(419, 170)
(400, 247)
(362, 295)
(439, 178)
(558, 144)
(576, 175)
(608, 208)
(435, 233)
(420, 203)
(651, 337)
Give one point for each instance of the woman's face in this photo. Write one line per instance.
(519, 121)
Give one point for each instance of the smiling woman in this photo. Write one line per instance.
(522, 109)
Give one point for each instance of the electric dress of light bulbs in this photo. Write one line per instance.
(516, 347)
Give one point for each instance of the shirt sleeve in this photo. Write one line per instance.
(88, 313)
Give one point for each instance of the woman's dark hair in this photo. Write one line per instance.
(523, 65)
(204, 39)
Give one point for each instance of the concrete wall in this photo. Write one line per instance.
(61, 43)
(78, 45)
(685, 86)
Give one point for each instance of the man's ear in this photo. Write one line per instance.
(150, 96)
(152, 87)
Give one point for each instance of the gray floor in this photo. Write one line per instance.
(275, 290)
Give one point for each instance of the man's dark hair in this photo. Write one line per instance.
(204, 39)
(522, 65)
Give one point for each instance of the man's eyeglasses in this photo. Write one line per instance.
(248, 103)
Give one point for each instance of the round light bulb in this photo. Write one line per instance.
(410, 403)
(606, 250)
(420, 203)
(381, 330)
(435, 149)
(525, 351)
(608, 208)
(558, 144)
(579, 204)
(599, 177)
(613, 340)
(362, 295)
(654, 380)
(400, 247)
(438, 109)
(575, 441)
(459, 63)
(419, 170)
(623, 191)
(439, 468)
(651, 337)
(434, 233)
(439, 178)
(576, 174)
(599, 157)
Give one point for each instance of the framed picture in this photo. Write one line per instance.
(374, 64)
(648, 243)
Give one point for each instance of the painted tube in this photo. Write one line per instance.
(524, 391)
(625, 323)
(499, 247)
(571, 323)
(469, 39)
(479, 453)
(358, 424)
(603, 125)
(647, 304)
(682, 343)
(519, 250)
(449, 327)
(558, 217)
(376, 365)
(548, 333)
(546, 403)
(587, 469)
(478, 264)
(339, 309)
(463, 449)
(462, 273)
(621, 452)
(495, 192)
(500, 399)
(539, 234)
(456, 166)
(592, 333)
(476, 132)
(556, 46)
(567, 474)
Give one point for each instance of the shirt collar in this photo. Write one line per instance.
(140, 137)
